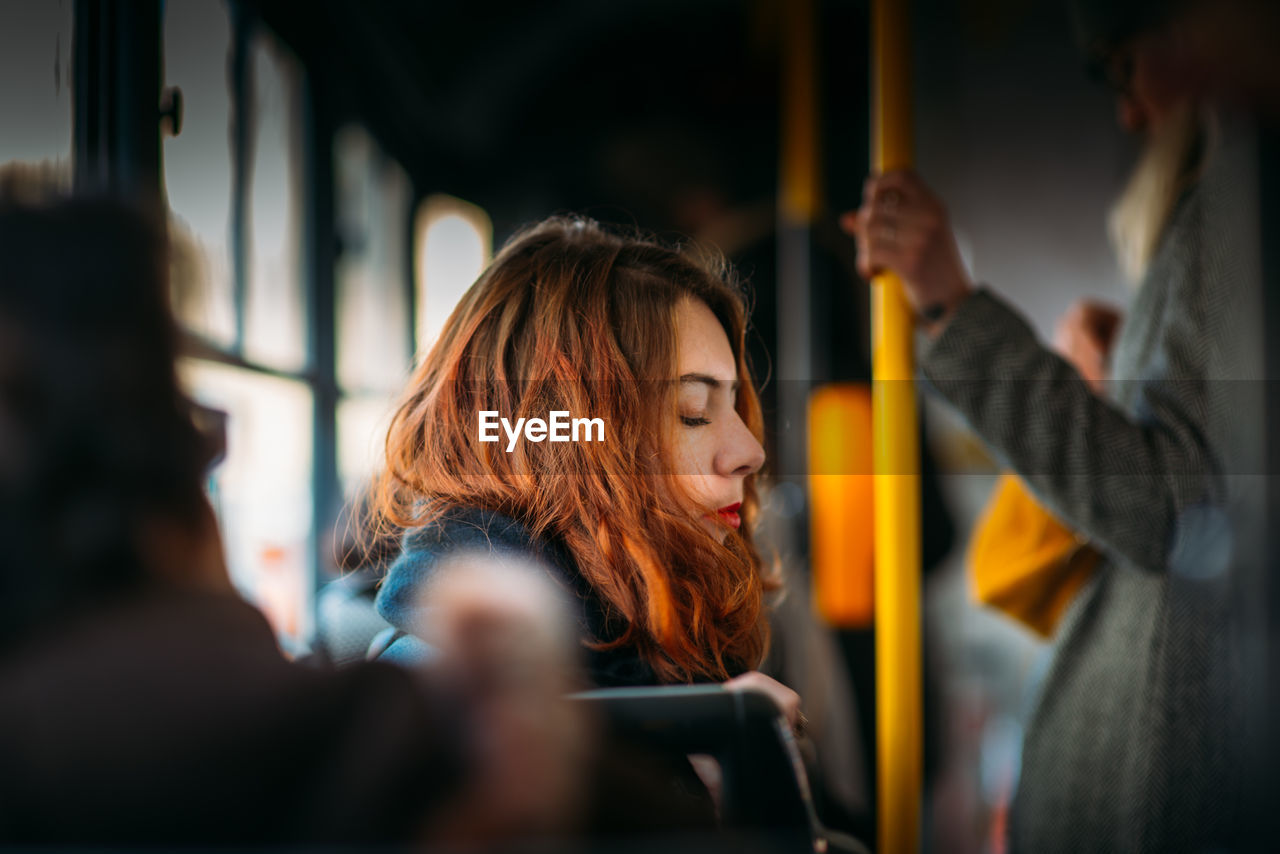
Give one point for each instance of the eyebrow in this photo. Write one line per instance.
(709, 381)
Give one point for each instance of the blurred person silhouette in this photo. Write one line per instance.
(1129, 747)
(141, 700)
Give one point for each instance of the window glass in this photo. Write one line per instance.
(275, 313)
(197, 167)
(262, 489)
(373, 198)
(35, 99)
(454, 240)
(362, 436)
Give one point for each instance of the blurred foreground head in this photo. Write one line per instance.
(503, 628)
(98, 450)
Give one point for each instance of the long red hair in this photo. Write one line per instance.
(570, 316)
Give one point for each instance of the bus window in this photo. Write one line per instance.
(235, 229)
(197, 168)
(262, 490)
(35, 47)
(274, 310)
(374, 336)
(454, 241)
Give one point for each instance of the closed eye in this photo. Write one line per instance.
(694, 420)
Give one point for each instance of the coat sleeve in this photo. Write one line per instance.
(1124, 478)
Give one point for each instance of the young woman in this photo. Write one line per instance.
(645, 515)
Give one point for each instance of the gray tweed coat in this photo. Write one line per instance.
(1127, 750)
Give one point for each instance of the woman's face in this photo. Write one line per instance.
(714, 451)
(1143, 73)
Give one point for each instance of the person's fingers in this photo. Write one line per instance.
(872, 258)
(1102, 320)
(902, 184)
(884, 246)
(1097, 322)
(882, 257)
(1073, 331)
(1108, 331)
(1077, 340)
(876, 192)
(849, 223)
(903, 227)
(906, 225)
(905, 211)
(1063, 332)
(900, 179)
(884, 229)
(897, 224)
(865, 270)
(895, 241)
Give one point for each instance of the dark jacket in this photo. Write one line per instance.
(171, 718)
(469, 530)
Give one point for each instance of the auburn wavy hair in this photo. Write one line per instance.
(571, 316)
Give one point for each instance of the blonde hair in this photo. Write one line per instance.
(1169, 165)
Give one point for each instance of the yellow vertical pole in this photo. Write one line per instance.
(800, 190)
(897, 481)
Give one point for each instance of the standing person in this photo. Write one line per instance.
(1127, 750)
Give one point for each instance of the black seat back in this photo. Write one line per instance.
(764, 786)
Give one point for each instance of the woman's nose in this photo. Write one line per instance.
(742, 454)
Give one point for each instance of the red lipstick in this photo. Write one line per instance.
(730, 515)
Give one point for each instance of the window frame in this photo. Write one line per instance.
(117, 150)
